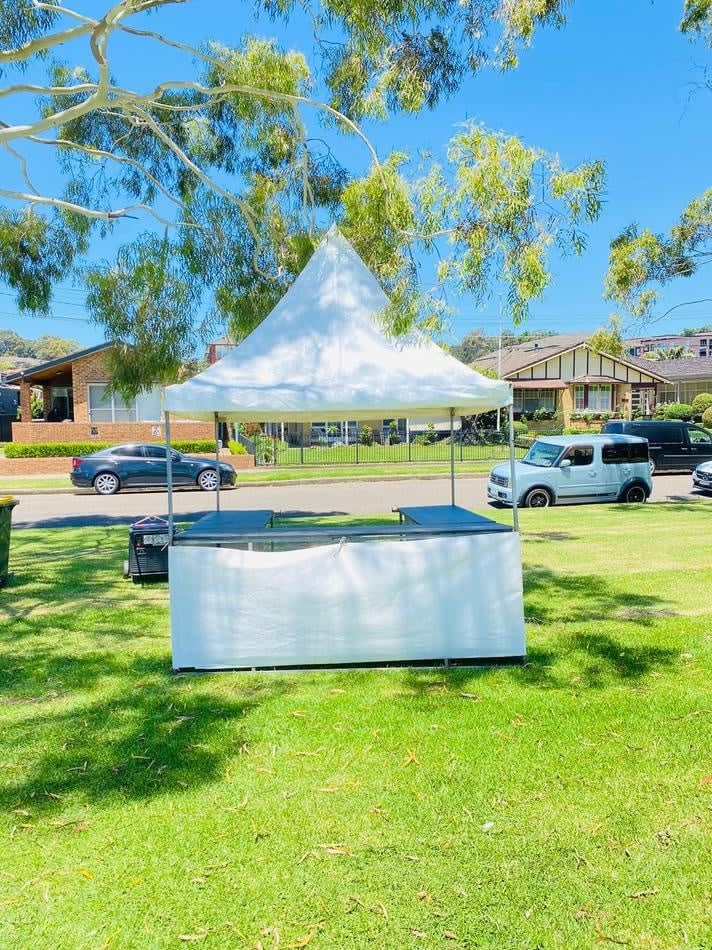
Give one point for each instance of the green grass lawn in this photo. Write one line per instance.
(565, 803)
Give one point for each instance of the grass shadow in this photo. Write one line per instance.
(143, 732)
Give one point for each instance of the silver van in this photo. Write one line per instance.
(576, 468)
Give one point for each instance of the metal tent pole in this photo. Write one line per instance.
(513, 468)
(452, 456)
(217, 462)
(169, 476)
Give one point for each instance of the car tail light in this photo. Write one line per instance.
(76, 463)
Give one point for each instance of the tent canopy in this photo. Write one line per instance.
(323, 354)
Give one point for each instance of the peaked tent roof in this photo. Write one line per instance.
(321, 354)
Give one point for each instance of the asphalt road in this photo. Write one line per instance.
(349, 497)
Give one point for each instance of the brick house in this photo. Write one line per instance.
(562, 374)
(78, 407)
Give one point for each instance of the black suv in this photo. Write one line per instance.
(673, 445)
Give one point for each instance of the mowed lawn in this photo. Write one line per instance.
(566, 803)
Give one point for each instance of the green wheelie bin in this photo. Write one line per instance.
(6, 506)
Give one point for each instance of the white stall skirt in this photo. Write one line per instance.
(367, 602)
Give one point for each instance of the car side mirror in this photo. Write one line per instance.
(564, 463)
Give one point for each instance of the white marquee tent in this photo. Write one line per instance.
(322, 354)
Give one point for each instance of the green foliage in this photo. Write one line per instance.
(669, 353)
(43, 348)
(700, 404)
(608, 340)
(36, 405)
(640, 260)
(49, 347)
(236, 448)
(146, 291)
(674, 410)
(697, 19)
(40, 450)
(365, 435)
(507, 205)
(707, 418)
(35, 253)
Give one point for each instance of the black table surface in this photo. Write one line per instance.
(432, 515)
(226, 523)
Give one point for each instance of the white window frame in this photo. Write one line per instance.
(113, 407)
(579, 397)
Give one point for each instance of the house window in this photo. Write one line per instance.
(109, 407)
(579, 397)
(599, 398)
(529, 400)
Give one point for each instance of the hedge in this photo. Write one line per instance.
(41, 450)
(707, 418)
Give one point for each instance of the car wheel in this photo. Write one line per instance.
(106, 484)
(538, 498)
(634, 495)
(651, 466)
(208, 479)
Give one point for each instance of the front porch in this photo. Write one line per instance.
(583, 399)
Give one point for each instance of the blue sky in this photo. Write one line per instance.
(616, 83)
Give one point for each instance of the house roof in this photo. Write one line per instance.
(53, 367)
(694, 367)
(523, 355)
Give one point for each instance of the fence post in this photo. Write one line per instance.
(301, 450)
(410, 453)
(358, 440)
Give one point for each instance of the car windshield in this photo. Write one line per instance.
(543, 454)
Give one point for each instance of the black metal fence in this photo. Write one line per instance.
(489, 446)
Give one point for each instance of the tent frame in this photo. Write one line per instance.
(169, 468)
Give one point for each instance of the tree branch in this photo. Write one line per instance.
(93, 213)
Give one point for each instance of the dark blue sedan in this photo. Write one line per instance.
(145, 466)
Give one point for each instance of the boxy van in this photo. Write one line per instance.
(672, 445)
(576, 469)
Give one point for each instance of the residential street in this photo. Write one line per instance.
(352, 497)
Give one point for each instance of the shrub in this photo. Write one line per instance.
(677, 410)
(420, 440)
(236, 448)
(43, 450)
(541, 415)
(520, 428)
(365, 435)
(706, 418)
(202, 446)
(700, 404)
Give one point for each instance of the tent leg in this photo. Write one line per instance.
(513, 469)
(169, 476)
(452, 456)
(217, 462)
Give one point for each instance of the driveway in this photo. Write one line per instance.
(348, 497)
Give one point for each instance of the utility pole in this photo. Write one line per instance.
(499, 363)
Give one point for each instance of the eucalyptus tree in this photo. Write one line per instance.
(235, 163)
